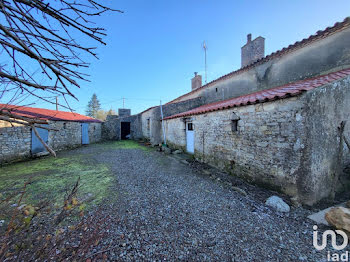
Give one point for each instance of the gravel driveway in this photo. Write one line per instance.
(168, 210)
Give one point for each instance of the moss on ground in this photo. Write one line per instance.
(51, 178)
(124, 144)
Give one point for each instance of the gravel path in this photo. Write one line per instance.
(168, 210)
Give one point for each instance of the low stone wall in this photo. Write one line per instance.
(16, 141)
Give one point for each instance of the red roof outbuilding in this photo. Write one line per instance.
(47, 114)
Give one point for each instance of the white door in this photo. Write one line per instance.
(190, 138)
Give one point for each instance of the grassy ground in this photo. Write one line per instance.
(51, 178)
(123, 144)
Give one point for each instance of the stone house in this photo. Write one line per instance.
(285, 138)
(275, 121)
(18, 142)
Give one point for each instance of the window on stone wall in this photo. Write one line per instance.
(234, 122)
(64, 125)
(148, 124)
(216, 89)
(190, 126)
(234, 125)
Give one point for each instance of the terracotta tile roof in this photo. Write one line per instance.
(297, 45)
(47, 114)
(287, 90)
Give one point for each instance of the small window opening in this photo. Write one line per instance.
(190, 126)
(64, 125)
(216, 90)
(234, 125)
(232, 164)
(94, 128)
(148, 124)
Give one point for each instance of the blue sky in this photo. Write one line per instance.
(155, 46)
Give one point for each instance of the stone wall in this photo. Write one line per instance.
(15, 142)
(325, 108)
(329, 54)
(146, 123)
(135, 126)
(265, 148)
(110, 128)
(153, 115)
(176, 133)
(95, 132)
(292, 145)
(67, 136)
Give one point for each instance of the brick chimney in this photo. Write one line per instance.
(196, 81)
(252, 50)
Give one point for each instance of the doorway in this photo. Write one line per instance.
(37, 146)
(190, 137)
(85, 134)
(125, 130)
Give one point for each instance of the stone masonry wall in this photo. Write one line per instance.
(95, 132)
(292, 145)
(135, 125)
(67, 136)
(15, 143)
(146, 123)
(110, 128)
(176, 133)
(155, 132)
(266, 148)
(325, 154)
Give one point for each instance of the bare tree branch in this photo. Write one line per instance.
(42, 49)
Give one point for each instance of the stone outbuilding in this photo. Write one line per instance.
(280, 120)
(68, 130)
(287, 138)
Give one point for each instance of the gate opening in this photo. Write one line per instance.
(125, 130)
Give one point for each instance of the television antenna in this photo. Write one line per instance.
(205, 59)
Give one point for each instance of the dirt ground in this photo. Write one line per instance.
(152, 206)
